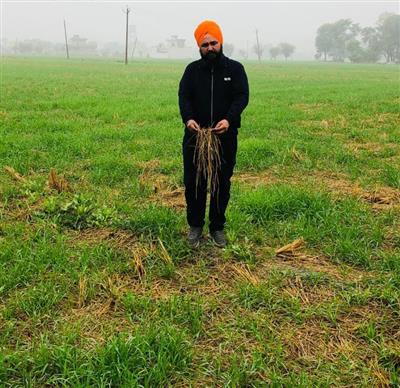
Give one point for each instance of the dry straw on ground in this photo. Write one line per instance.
(57, 182)
(14, 174)
(290, 249)
(207, 158)
(137, 260)
(243, 272)
(164, 253)
(82, 292)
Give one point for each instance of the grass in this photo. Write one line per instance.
(151, 357)
(97, 284)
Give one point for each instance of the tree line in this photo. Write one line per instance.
(339, 41)
(285, 49)
(346, 40)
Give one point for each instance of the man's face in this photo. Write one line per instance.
(210, 47)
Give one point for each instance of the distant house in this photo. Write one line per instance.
(77, 42)
(162, 48)
(174, 47)
(81, 45)
(176, 42)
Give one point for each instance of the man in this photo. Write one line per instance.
(212, 93)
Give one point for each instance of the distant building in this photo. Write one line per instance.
(174, 47)
(76, 44)
(175, 42)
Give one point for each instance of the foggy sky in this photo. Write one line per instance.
(295, 22)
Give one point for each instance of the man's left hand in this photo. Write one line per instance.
(221, 127)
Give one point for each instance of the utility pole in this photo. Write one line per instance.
(66, 40)
(258, 47)
(126, 35)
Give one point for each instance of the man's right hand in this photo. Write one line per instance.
(192, 125)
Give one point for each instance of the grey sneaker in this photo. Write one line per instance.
(219, 238)
(194, 236)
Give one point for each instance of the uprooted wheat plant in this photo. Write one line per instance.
(207, 158)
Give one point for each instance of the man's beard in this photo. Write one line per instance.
(212, 56)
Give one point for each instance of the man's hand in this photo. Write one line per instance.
(192, 125)
(221, 127)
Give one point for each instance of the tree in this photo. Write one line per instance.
(389, 32)
(258, 48)
(324, 40)
(333, 38)
(259, 51)
(355, 52)
(370, 38)
(228, 49)
(286, 49)
(344, 30)
(274, 52)
(25, 47)
(33, 46)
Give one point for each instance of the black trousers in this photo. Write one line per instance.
(196, 202)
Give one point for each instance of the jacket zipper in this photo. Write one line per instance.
(212, 96)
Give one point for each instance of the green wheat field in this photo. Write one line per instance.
(98, 286)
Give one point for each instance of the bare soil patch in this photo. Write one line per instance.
(262, 178)
(313, 340)
(163, 190)
(121, 239)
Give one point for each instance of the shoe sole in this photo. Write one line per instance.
(218, 245)
(195, 245)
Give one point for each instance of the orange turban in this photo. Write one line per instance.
(208, 27)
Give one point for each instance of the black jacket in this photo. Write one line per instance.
(208, 94)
